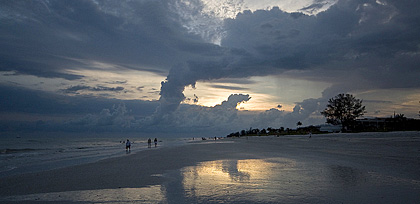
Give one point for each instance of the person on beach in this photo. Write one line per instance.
(149, 143)
(128, 145)
(156, 142)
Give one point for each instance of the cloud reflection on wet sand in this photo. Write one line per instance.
(287, 181)
(271, 180)
(252, 180)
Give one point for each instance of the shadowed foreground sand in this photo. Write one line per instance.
(334, 168)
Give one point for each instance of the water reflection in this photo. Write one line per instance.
(152, 194)
(251, 180)
(274, 180)
(280, 180)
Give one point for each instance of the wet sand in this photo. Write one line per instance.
(333, 168)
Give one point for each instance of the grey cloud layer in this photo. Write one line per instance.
(44, 38)
(353, 45)
(76, 89)
(20, 100)
(376, 39)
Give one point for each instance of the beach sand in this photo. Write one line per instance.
(331, 168)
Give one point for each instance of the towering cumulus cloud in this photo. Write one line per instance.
(376, 40)
(215, 63)
(208, 120)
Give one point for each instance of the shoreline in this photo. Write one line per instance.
(36, 154)
(130, 171)
(388, 161)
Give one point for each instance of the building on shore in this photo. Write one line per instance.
(387, 124)
(376, 124)
(329, 128)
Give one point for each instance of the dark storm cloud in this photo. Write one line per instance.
(356, 35)
(242, 81)
(350, 34)
(117, 82)
(229, 87)
(317, 5)
(377, 101)
(371, 37)
(140, 88)
(76, 89)
(44, 38)
(15, 100)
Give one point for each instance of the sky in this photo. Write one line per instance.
(201, 67)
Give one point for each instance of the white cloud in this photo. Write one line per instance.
(116, 118)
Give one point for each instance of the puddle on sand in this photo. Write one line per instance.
(280, 180)
(245, 181)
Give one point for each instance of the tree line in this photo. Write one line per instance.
(275, 132)
(343, 110)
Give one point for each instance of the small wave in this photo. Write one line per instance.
(35, 141)
(83, 147)
(7, 168)
(12, 151)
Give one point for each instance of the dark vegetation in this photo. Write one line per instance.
(342, 110)
(396, 123)
(276, 132)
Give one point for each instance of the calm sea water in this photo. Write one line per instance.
(24, 154)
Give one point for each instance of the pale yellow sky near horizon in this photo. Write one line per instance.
(265, 92)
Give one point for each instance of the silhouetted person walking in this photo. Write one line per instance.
(149, 143)
(127, 145)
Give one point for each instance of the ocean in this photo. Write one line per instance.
(39, 152)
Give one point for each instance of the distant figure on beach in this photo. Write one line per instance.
(156, 142)
(128, 145)
(149, 143)
(310, 134)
